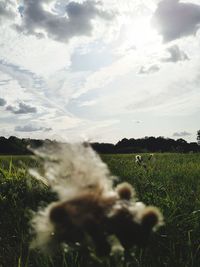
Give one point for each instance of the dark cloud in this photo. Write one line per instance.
(2, 102)
(149, 70)
(76, 20)
(137, 122)
(181, 134)
(175, 54)
(175, 19)
(21, 109)
(31, 128)
(7, 10)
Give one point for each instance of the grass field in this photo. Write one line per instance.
(171, 182)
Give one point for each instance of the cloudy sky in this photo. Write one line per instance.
(99, 70)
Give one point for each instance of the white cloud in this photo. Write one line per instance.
(149, 70)
(91, 130)
(175, 54)
(7, 10)
(107, 75)
(88, 103)
(181, 134)
(41, 57)
(31, 128)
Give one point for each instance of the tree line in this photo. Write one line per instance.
(17, 146)
(148, 144)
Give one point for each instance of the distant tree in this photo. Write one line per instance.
(198, 137)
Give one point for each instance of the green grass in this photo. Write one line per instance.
(172, 183)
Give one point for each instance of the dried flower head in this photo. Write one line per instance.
(88, 204)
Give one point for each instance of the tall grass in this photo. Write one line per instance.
(172, 183)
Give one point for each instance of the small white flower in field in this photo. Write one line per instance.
(138, 159)
(88, 204)
(150, 156)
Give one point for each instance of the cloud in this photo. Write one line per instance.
(2, 102)
(175, 55)
(33, 56)
(31, 128)
(175, 19)
(25, 78)
(176, 92)
(75, 19)
(181, 134)
(7, 10)
(149, 70)
(88, 103)
(22, 109)
(137, 121)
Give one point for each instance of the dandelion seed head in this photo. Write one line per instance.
(88, 204)
(125, 191)
(151, 217)
(44, 230)
(71, 168)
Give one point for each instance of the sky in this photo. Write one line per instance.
(99, 70)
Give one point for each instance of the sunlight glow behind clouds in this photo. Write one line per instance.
(139, 33)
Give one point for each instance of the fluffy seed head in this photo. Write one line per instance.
(151, 217)
(125, 191)
(70, 169)
(57, 214)
(88, 204)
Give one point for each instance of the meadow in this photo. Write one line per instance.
(170, 182)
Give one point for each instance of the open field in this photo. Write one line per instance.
(171, 182)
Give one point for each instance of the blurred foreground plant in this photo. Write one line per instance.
(90, 211)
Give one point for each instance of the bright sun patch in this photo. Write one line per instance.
(140, 33)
